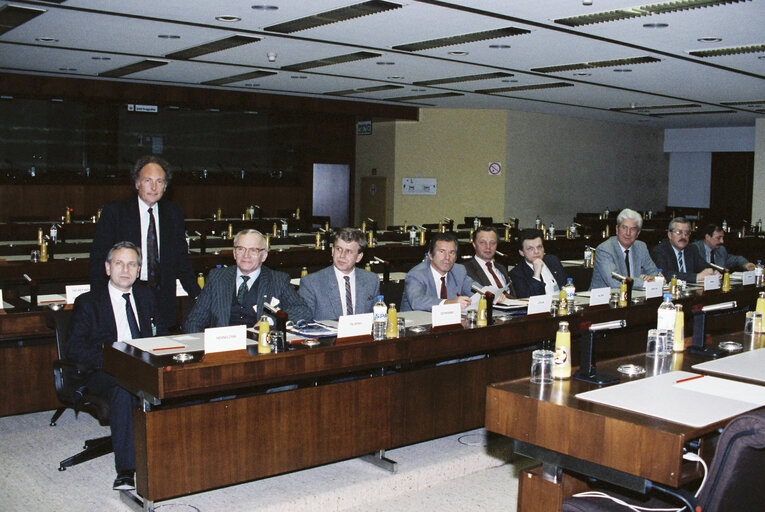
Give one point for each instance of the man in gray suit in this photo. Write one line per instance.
(438, 279)
(482, 268)
(341, 289)
(712, 250)
(623, 254)
(235, 295)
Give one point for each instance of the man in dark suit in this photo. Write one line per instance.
(236, 295)
(712, 250)
(482, 268)
(538, 273)
(341, 289)
(156, 226)
(119, 310)
(674, 256)
(438, 279)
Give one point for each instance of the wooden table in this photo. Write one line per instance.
(574, 437)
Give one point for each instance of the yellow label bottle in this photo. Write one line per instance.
(562, 363)
(761, 304)
(303, 272)
(507, 234)
(482, 320)
(673, 286)
(370, 239)
(623, 295)
(218, 214)
(268, 241)
(297, 214)
(368, 267)
(422, 238)
(201, 280)
(363, 226)
(562, 302)
(39, 236)
(44, 252)
(392, 330)
(318, 241)
(263, 346)
(68, 216)
(275, 231)
(726, 281)
(678, 343)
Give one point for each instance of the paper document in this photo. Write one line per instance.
(747, 365)
(44, 300)
(164, 345)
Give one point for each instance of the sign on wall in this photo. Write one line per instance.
(419, 186)
(495, 169)
(364, 128)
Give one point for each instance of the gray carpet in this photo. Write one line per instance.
(464, 472)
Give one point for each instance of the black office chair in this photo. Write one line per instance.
(734, 482)
(68, 377)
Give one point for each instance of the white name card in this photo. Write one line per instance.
(223, 339)
(747, 277)
(711, 282)
(1, 299)
(539, 304)
(653, 289)
(600, 296)
(349, 326)
(75, 290)
(180, 291)
(445, 314)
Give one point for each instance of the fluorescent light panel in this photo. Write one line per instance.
(340, 59)
(238, 78)
(133, 68)
(643, 10)
(215, 46)
(598, 64)
(334, 16)
(554, 85)
(462, 39)
(467, 78)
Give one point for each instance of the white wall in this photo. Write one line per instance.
(689, 179)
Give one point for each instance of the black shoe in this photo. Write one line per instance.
(124, 481)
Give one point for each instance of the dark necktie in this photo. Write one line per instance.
(348, 296)
(152, 252)
(627, 261)
(711, 257)
(680, 262)
(443, 287)
(242, 291)
(135, 333)
(491, 271)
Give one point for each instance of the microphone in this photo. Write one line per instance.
(30, 280)
(621, 278)
(719, 307)
(380, 260)
(475, 288)
(198, 233)
(605, 326)
(501, 254)
(717, 267)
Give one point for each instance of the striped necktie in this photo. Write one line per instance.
(348, 296)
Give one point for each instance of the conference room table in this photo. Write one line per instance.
(576, 439)
(351, 399)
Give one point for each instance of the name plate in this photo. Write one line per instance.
(1, 299)
(445, 314)
(180, 291)
(747, 277)
(75, 290)
(223, 339)
(540, 304)
(349, 326)
(653, 289)
(711, 283)
(600, 296)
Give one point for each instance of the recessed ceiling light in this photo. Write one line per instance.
(228, 18)
(499, 46)
(46, 39)
(57, 100)
(582, 74)
(168, 36)
(513, 80)
(67, 69)
(459, 53)
(98, 57)
(265, 7)
(213, 110)
(418, 90)
(655, 25)
(173, 107)
(395, 77)
(252, 85)
(299, 77)
(622, 70)
(384, 63)
(4, 97)
(709, 39)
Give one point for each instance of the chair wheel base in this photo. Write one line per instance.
(61, 468)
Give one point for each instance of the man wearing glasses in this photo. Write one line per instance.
(623, 254)
(341, 289)
(235, 295)
(674, 257)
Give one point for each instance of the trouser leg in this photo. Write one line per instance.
(121, 404)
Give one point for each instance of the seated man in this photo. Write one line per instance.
(712, 250)
(341, 289)
(538, 273)
(438, 279)
(482, 268)
(674, 256)
(117, 310)
(623, 254)
(235, 295)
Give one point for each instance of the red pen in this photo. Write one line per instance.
(689, 378)
(166, 348)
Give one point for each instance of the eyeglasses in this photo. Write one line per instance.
(254, 251)
(679, 232)
(626, 229)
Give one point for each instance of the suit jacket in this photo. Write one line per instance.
(610, 258)
(721, 256)
(93, 326)
(213, 306)
(120, 221)
(320, 292)
(523, 277)
(664, 256)
(420, 292)
(474, 269)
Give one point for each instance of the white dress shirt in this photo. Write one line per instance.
(482, 263)
(120, 312)
(143, 209)
(551, 285)
(341, 287)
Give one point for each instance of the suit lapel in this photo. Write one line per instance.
(133, 224)
(106, 313)
(338, 308)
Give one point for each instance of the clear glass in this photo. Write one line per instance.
(541, 366)
(658, 344)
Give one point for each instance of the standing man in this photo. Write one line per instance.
(482, 268)
(438, 279)
(118, 310)
(674, 256)
(712, 250)
(623, 254)
(156, 226)
(341, 289)
(538, 273)
(235, 295)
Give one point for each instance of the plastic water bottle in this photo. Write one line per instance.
(551, 229)
(538, 222)
(380, 322)
(587, 256)
(660, 277)
(665, 320)
(570, 292)
(758, 274)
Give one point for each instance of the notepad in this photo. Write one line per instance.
(747, 365)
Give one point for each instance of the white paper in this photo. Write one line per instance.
(653, 289)
(222, 339)
(711, 282)
(1, 299)
(44, 300)
(180, 291)
(600, 296)
(349, 326)
(747, 277)
(445, 314)
(167, 345)
(75, 290)
(539, 304)
(747, 365)
(497, 292)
